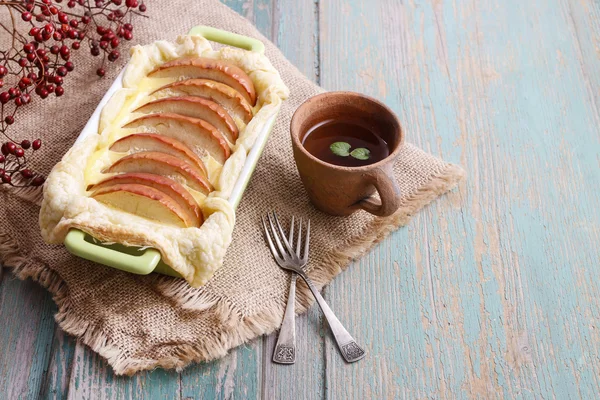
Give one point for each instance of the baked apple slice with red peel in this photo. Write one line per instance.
(159, 143)
(195, 107)
(161, 183)
(144, 201)
(209, 68)
(224, 95)
(165, 165)
(197, 134)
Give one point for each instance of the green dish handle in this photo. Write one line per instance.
(141, 264)
(228, 38)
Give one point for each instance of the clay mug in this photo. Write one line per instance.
(339, 190)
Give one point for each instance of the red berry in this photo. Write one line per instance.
(100, 72)
(4, 149)
(2, 159)
(117, 2)
(127, 35)
(26, 98)
(142, 8)
(37, 144)
(26, 16)
(38, 181)
(49, 28)
(75, 45)
(6, 178)
(34, 31)
(57, 36)
(31, 57)
(1, 83)
(59, 91)
(3, 71)
(27, 174)
(131, 3)
(23, 62)
(61, 71)
(64, 51)
(114, 42)
(86, 19)
(128, 27)
(113, 55)
(4, 97)
(71, 4)
(74, 23)
(58, 80)
(11, 147)
(69, 66)
(95, 51)
(18, 102)
(26, 144)
(50, 88)
(19, 152)
(101, 30)
(43, 93)
(9, 120)
(103, 44)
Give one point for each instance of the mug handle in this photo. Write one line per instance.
(388, 190)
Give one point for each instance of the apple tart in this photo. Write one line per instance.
(171, 144)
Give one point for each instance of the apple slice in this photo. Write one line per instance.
(195, 107)
(163, 184)
(218, 92)
(208, 68)
(165, 165)
(144, 201)
(197, 134)
(159, 143)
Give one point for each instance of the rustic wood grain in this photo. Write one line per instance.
(491, 292)
(496, 298)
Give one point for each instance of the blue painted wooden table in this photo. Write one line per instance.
(491, 292)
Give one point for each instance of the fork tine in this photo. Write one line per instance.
(270, 241)
(276, 236)
(283, 235)
(299, 240)
(305, 258)
(291, 237)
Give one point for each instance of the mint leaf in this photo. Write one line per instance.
(340, 149)
(361, 153)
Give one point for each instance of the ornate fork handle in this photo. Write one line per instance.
(285, 349)
(350, 350)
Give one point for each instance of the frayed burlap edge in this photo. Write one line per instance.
(234, 333)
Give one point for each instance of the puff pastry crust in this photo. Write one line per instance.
(194, 252)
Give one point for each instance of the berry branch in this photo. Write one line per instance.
(37, 58)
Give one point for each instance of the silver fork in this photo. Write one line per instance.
(292, 261)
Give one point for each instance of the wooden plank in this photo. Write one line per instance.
(236, 376)
(490, 291)
(26, 332)
(92, 378)
(295, 31)
(585, 31)
(248, 371)
(56, 376)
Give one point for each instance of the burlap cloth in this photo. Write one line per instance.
(143, 322)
